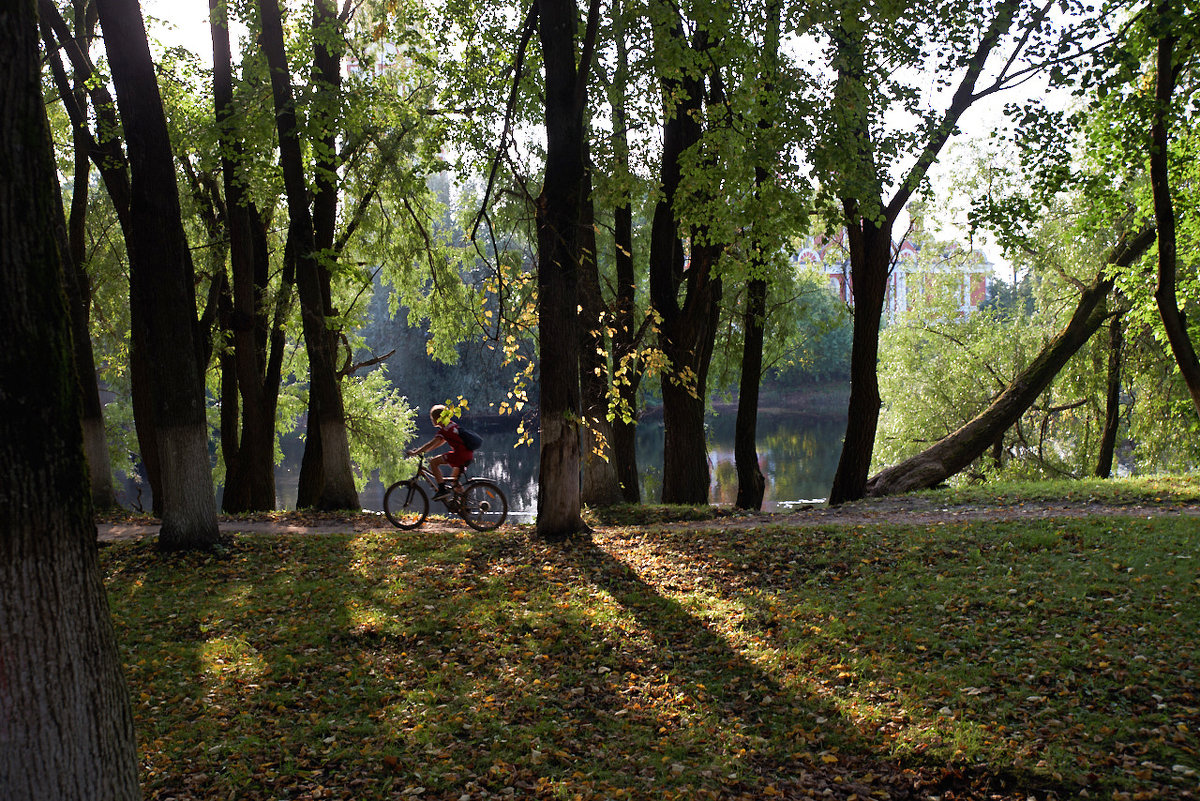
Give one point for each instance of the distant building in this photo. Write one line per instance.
(965, 275)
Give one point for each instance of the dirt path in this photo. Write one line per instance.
(900, 510)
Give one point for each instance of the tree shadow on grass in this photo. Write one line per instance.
(462, 665)
(782, 737)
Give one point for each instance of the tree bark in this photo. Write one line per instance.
(627, 368)
(1164, 218)
(687, 332)
(249, 446)
(954, 452)
(79, 303)
(1112, 397)
(869, 223)
(558, 220)
(332, 487)
(870, 258)
(66, 728)
(104, 149)
(751, 482)
(599, 483)
(162, 288)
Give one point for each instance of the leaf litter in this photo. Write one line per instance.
(1046, 659)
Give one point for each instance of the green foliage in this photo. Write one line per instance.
(806, 338)
(380, 424)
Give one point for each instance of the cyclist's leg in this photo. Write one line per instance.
(435, 467)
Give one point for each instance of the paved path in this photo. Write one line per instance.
(900, 510)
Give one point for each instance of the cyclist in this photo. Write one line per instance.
(458, 457)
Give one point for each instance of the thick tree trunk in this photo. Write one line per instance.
(1112, 398)
(558, 219)
(333, 485)
(250, 457)
(1164, 218)
(66, 729)
(599, 484)
(955, 451)
(162, 288)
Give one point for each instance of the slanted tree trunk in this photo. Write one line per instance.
(954, 452)
(66, 728)
(1112, 397)
(332, 486)
(558, 220)
(162, 288)
(1164, 219)
(79, 303)
(104, 149)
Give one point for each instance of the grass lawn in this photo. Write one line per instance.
(1052, 659)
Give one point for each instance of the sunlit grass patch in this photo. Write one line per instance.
(664, 662)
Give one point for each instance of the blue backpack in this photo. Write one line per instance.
(470, 440)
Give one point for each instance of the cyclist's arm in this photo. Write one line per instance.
(428, 446)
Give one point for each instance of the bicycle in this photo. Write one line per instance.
(478, 501)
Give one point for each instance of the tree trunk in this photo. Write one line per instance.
(104, 149)
(599, 484)
(869, 223)
(1112, 398)
(626, 364)
(162, 288)
(952, 453)
(332, 487)
(79, 303)
(751, 482)
(66, 728)
(1164, 219)
(687, 332)
(250, 457)
(558, 220)
(627, 370)
(870, 258)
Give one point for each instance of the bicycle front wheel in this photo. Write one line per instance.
(406, 504)
(482, 504)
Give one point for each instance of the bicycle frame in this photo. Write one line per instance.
(479, 501)
(424, 473)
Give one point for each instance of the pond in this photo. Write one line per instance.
(798, 454)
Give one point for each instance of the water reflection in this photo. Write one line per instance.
(797, 454)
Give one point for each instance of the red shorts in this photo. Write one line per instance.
(459, 458)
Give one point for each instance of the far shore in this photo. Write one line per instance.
(824, 401)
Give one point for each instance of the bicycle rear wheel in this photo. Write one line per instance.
(406, 504)
(482, 504)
